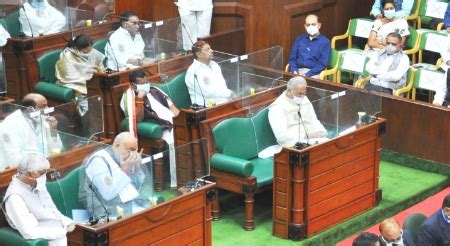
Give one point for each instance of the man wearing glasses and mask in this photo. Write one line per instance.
(125, 46)
(114, 173)
(292, 116)
(28, 206)
(27, 130)
(392, 234)
(143, 102)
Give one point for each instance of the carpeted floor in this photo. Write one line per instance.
(402, 187)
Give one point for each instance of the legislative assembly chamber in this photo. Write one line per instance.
(224, 122)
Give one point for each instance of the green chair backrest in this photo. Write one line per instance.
(177, 90)
(13, 24)
(433, 41)
(412, 39)
(334, 54)
(365, 26)
(64, 192)
(431, 80)
(47, 64)
(264, 136)
(413, 223)
(100, 45)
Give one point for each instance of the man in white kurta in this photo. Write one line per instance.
(204, 80)
(26, 130)
(292, 116)
(125, 46)
(196, 17)
(441, 86)
(4, 35)
(40, 19)
(29, 207)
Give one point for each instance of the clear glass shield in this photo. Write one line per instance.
(3, 84)
(229, 66)
(82, 118)
(112, 187)
(89, 13)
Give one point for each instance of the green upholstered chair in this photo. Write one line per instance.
(46, 85)
(100, 45)
(9, 236)
(177, 90)
(237, 168)
(413, 223)
(13, 24)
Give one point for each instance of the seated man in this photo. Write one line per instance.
(402, 8)
(77, 64)
(28, 206)
(4, 35)
(388, 66)
(142, 102)
(24, 132)
(114, 174)
(442, 96)
(366, 239)
(392, 233)
(310, 52)
(436, 229)
(125, 45)
(447, 18)
(204, 80)
(38, 17)
(289, 110)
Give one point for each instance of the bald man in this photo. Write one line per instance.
(392, 233)
(115, 173)
(28, 130)
(310, 52)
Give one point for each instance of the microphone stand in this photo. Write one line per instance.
(300, 145)
(92, 220)
(113, 53)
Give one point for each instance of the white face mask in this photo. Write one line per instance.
(298, 100)
(40, 182)
(145, 87)
(389, 14)
(312, 30)
(391, 49)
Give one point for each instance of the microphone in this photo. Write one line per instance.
(300, 145)
(112, 50)
(28, 20)
(92, 220)
(195, 106)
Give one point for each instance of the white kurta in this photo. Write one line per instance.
(196, 16)
(43, 21)
(206, 82)
(4, 35)
(441, 86)
(399, 25)
(121, 47)
(285, 121)
(32, 212)
(393, 79)
(18, 136)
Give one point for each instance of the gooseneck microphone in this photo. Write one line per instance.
(299, 144)
(28, 20)
(92, 219)
(195, 105)
(113, 53)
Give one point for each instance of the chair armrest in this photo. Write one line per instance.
(336, 38)
(145, 129)
(327, 72)
(54, 91)
(440, 26)
(408, 86)
(360, 83)
(232, 165)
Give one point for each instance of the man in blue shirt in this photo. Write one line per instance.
(310, 52)
(447, 18)
(402, 8)
(436, 229)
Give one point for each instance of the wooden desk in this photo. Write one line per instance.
(21, 54)
(185, 220)
(320, 186)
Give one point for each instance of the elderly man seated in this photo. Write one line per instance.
(292, 116)
(26, 131)
(115, 175)
(388, 66)
(28, 206)
(38, 17)
(392, 233)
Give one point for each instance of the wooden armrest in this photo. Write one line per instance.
(440, 26)
(339, 37)
(327, 72)
(360, 83)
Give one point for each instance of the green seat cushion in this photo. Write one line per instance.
(232, 165)
(55, 91)
(263, 171)
(64, 192)
(9, 236)
(145, 129)
(177, 90)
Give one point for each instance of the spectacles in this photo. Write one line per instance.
(300, 94)
(310, 24)
(137, 23)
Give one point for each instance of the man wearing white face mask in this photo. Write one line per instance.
(38, 17)
(292, 116)
(26, 130)
(388, 67)
(436, 229)
(392, 234)
(310, 52)
(28, 206)
(142, 102)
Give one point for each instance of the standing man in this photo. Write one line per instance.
(196, 20)
(436, 229)
(310, 52)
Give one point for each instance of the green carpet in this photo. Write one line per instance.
(402, 187)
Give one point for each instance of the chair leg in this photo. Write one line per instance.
(249, 206)
(215, 207)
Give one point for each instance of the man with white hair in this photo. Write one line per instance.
(292, 116)
(38, 17)
(28, 206)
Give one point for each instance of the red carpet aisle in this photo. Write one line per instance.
(427, 207)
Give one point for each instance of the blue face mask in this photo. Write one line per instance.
(37, 4)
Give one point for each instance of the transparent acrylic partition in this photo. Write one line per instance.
(88, 14)
(229, 65)
(111, 190)
(82, 118)
(3, 83)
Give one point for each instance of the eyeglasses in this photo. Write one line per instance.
(299, 94)
(310, 24)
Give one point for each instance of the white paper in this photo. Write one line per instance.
(436, 9)
(159, 23)
(49, 110)
(157, 156)
(146, 160)
(80, 215)
(148, 25)
(353, 61)
(436, 42)
(244, 57)
(233, 60)
(429, 79)
(363, 28)
(128, 193)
